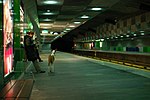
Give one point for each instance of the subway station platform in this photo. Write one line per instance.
(81, 78)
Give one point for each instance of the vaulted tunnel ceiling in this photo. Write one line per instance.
(72, 17)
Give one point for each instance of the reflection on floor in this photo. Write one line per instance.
(81, 78)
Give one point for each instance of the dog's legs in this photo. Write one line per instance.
(52, 68)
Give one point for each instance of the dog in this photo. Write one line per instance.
(51, 60)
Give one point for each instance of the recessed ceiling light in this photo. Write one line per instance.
(96, 9)
(46, 19)
(64, 31)
(141, 31)
(142, 34)
(45, 24)
(134, 34)
(55, 33)
(127, 35)
(77, 22)
(48, 13)
(44, 31)
(51, 32)
(68, 29)
(50, 2)
(101, 39)
(45, 27)
(84, 16)
(72, 26)
(48, 10)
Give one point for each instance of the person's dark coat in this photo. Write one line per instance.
(30, 48)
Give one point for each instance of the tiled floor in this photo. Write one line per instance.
(80, 78)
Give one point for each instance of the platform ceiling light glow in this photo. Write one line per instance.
(96, 9)
(77, 22)
(127, 35)
(142, 34)
(84, 16)
(48, 13)
(45, 24)
(45, 27)
(68, 29)
(141, 31)
(72, 26)
(55, 33)
(134, 34)
(48, 10)
(101, 39)
(51, 32)
(50, 2)
(46, 19)
(44, 31)
(65, 31)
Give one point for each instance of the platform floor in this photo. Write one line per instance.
(81, 78)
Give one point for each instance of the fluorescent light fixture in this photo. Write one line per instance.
(50, 2)
(44, 27)
(100, 44)
(141, 31)
(142, 34)
(102, 39)
(96, 9)
(77, 22)
(44, 31)
(55, 33)
(68, 29)
(48, 13)
(84, 16)
(45, 24)
(46, 19)
(61, 32)
(127, 35)
(134, 34)
(51, 32)
(72, 26)
(65, 31)
(48, 10)
(97, 40)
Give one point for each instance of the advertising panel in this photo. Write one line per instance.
(7, 37)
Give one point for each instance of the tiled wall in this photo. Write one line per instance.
(122, 27)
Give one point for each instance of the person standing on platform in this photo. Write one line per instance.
(31, 52)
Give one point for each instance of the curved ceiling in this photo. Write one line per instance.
(67, 18)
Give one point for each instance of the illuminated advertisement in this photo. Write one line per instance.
(7, 37)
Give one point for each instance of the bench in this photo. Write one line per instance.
(17, 90)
